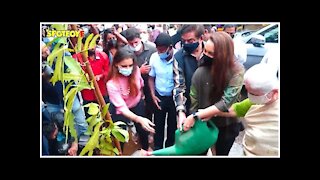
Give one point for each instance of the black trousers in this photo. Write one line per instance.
(167, 106)
(139, 110)
(226, 138)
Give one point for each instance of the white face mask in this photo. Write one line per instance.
(259, 99)
(137, 48)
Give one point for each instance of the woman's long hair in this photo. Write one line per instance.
(223, 63)
(121, 55)
(105, 47)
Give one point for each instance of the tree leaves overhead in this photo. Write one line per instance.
(57, 74)
(103, 132)
(93, 41)
(60, 26)
(73, 65)
(86, 44)
(56, 52)
(69, 77)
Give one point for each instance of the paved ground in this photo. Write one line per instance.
(236, 149)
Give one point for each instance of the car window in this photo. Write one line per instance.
(270, 34)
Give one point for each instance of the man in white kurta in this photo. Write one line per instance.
(261, 112)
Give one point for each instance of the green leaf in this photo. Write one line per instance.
(93, 41)
(62, 40)
(90, 153)
(116, 151)
(53, 40)
(86, 44)
(69, 96)
(69, 77)
(72, 129)
(105, 110)
(118, 135)
(88, 132)
(93, 109)
(106, 152)
(70, 100)
(58, 52)
(82, 86)
(73, 65)
(89, 119)
(93, 122)
(91, 104)
(124, 133)
(119, 123)
(106, 131)
(79, 44)
(60, 26)
(66, 89)
(108, 138)
(57, 71)
(108, 146)
(92, 84)
(93, 141)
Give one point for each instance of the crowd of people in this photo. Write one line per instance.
(153, 75)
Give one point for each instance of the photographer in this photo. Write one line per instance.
(52, 95)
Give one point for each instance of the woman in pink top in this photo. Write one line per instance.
(124, 85)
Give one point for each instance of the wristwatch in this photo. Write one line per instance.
(195, 116)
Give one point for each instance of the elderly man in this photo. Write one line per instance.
(261, 112)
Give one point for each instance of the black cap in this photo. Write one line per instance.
(163, 39)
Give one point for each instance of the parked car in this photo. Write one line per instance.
(257, 46)
(244, 33)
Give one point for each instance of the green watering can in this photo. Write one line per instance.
(197, 140)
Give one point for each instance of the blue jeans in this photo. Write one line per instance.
(45, 146)
(79, 117)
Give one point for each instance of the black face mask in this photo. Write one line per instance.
(112, 43)
(189, 48)
(91, 52)
(206, 60)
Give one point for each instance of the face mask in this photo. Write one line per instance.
(137, 48)
(91, 52)
(259, 99)
(190, 47)
(125, 71)
(206, 58)
(164, 55)
(112, 43)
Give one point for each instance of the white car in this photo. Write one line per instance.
(262, 47)
(259, 42)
